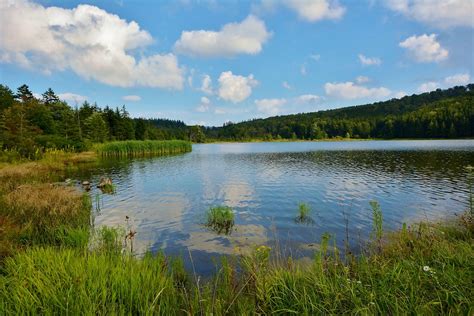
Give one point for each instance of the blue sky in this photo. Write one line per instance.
(208, 62)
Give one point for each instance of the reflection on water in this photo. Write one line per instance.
(166, 197)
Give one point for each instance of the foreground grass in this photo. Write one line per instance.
(424, 270)
(143, 148)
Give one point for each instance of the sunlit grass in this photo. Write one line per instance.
(143, 148)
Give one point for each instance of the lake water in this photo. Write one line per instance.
(166, 197)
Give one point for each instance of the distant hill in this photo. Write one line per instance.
(439, 114)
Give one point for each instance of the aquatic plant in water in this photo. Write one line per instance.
(304, 212)
(220, 219)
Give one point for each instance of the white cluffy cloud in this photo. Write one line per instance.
(205, 105)
(90, 41)
(369, 61)
(131, 98)
(270, 106)
(277, 106)
(235, 88)
(72, 97)
(428, 86)
(457, 80)
(308, 99)
(425, 48)
(349, 91)
(448, 82)
(312, 11)
(246, 37)
(438, 13)
(286, 85)
(362, 79)
(206, 85)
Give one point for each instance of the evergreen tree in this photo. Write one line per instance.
(50, 97)
(24, 94)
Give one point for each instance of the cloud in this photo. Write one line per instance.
(448, 82)
(72, 97)
(204, 106)
(308, 99)
(270, 106)
(349, 91)
(286, 85)
(425, 48)
(206, 85)
(399, 94)
(441, 14)
(428, 86)
(131, 98)
(362, 79)
(315, 57)
(246, 37)
(89, 41)
(235, 88)
(312, 11)
(369, 61)
(457, 80)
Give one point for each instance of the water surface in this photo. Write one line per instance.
(166, 197)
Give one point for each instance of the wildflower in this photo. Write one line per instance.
(426, 269)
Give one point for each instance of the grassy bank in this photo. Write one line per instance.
(143, 148)
(53, 262)
(427, 269)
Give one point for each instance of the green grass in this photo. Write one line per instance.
(304, 214)
(138, 148)
(220, 219)
(426, 269)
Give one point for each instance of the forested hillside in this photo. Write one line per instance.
(438, 114)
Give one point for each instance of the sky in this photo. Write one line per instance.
(210, 62)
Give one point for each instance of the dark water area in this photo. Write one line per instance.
(166, 198)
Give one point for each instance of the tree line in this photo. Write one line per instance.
(439, 114)
(29, 123)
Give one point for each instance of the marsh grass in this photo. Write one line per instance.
(220, 219)
(136, 148)
(304, 214)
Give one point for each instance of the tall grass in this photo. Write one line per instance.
(425, 270)
(138, 148)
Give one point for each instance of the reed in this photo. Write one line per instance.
(136, 148)
(220, 219)
(304, 214)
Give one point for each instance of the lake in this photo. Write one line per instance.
(166, 198)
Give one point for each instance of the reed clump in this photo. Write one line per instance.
(304, 214)
(220, 219)
(137, 148)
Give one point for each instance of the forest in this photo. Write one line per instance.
(29, 124)
(439, 114)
